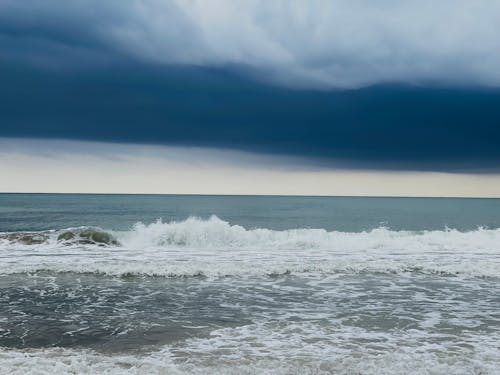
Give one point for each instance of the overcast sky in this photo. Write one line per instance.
(345, 90)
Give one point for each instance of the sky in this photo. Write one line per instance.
(251, 97)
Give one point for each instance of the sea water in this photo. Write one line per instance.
(151, 284)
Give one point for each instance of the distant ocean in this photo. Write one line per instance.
(151, 284)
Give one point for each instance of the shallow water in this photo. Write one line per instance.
(266, 286)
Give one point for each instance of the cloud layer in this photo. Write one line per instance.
(378, 127)
(395, 85)
(318, 44)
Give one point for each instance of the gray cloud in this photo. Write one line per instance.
(313, 43)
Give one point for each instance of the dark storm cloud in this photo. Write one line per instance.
(258, 76)
(387, 127)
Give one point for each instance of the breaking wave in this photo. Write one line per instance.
(214, 247)
(71, 236)
(216, 233)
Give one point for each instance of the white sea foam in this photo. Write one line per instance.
(277, 348)
(319, 324)
(215, 248)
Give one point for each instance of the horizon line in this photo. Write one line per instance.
(257, 195)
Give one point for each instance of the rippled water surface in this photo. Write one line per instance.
(154, 284)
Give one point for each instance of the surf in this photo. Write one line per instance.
(216, 248)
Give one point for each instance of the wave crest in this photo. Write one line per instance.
(214, 248)
(70, 236)
(214, 233)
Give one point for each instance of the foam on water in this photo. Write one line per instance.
(317, 250)
(303, 301)
(276, 348)
(216, 248)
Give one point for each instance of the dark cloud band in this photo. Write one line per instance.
(379, 127)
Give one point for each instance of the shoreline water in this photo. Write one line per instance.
(96, 284)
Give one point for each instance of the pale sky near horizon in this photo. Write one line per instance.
(97, 167)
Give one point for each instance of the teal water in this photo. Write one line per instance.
(20, 212)
(151, 284)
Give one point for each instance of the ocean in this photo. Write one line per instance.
(166, 284)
